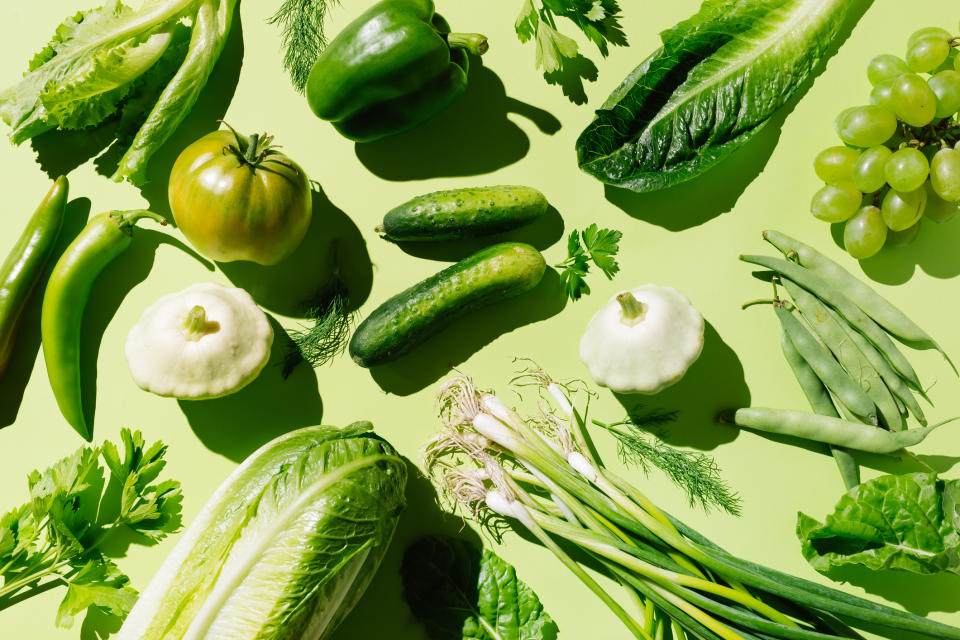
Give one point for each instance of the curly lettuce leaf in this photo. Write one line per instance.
(909, 522)
(81, 76)
(713, 85)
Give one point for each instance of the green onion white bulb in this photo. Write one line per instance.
(898, 163)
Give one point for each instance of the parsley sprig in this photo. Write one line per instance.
(595, 245)
(59, 536)
(598, 19)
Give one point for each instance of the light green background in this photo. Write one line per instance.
(767, 185)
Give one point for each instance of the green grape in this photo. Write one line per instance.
(913, 100)
(956, 63)
(902, 209)
(906, 169)
(868, 175)
(880, 95)
(928, 53)
(885, 67)
(938, 209)
(905, 237)
(927, 32)
(867, 126)
(835, 164)
(945, 174)
(835, 202)
(946, 86)
(949, 64)
(864, 233)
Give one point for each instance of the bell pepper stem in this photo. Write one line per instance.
(472, 42)
(631, 309)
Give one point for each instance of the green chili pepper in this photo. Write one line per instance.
(104, 238)
(395, 66)
(23, 268)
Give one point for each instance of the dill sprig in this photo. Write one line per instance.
(694, 472)
(302, 23)
(327, 337)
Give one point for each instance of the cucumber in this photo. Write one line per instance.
(463, 213)
(496, 273)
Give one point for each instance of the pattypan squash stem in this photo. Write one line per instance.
(631, 309)
(472, 42)
(196, 323)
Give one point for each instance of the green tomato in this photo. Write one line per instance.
(237, 198)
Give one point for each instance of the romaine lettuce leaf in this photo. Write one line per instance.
(285, 547)
(908, 522)
(711, 87)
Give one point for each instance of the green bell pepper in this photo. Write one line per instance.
(395, 66)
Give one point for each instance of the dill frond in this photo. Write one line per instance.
(301, 23)
(327, 337)
(694, 472)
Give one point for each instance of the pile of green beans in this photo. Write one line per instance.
(837, 337)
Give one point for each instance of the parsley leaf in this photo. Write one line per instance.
(59, 535)
(597, 19)
(592, 244)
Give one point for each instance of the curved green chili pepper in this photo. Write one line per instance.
(23, 268)
(104, 238)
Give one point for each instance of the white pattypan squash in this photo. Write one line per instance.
(206, 341)
(643, 340)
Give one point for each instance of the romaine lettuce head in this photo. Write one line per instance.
(285, 547)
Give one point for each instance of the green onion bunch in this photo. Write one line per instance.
(540, 473)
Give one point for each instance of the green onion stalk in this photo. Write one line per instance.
(541, 474)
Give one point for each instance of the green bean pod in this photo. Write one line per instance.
(847, 353)
(842, 433)
(901, 392)
(872, 303)
(23, 269)
(822, 404)
(104, 238)
(816, 285)
(826, 367)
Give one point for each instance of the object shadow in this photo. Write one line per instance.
(716, 379)
(706, 196)
(384, 599)
(918, 594)
(934, 251)
(99, 625)
(472, 136)
(236, 425)
(128, 270)
(570, 77)
(910, 463)
(59, 152)
(23, 359)
(333, 246)
(541, 233)
(467, 335)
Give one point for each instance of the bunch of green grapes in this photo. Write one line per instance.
(900, 161)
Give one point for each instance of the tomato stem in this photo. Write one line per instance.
(252, 144)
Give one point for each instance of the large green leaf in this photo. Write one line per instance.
(462, 592)
(286, 545)
(711, 87)
(892, 522)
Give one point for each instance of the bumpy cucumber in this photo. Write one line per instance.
(463, 213)
(410, 317)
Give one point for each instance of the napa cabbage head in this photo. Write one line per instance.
(286, 545)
